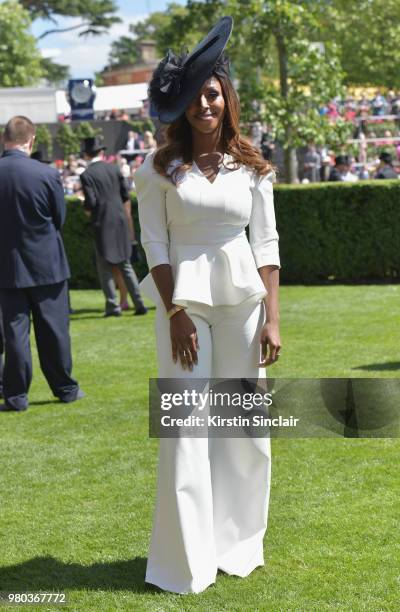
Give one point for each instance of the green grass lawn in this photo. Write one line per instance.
(78, 481)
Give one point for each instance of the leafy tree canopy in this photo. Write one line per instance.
(368, 40)
(20, 60)
(53, 72)
(159, 26)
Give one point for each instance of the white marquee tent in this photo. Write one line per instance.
(127, 97)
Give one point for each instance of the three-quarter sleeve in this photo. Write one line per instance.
(151, 196)
(264, 238)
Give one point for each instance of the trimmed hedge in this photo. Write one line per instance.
(345, 232)
(79, 245)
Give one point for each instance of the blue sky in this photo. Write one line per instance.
(86, 56)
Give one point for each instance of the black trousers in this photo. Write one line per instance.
(48, 305)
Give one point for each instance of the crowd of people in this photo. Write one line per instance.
(319, 163)
(378, 151)
(129, 159)
(114, 114)
(372, 153)
(367, 160)
(353, 108)
(322, 165)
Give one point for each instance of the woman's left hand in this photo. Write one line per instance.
(270, 344)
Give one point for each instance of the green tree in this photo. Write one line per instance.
(54, 73)
(99, 79)
(85, 130)
(141, 125)
(20, 59)
(43, 139)
(368, 39)
(68, 140)
(164, 27)
(159, 26)
(124, 51)
(310, 75)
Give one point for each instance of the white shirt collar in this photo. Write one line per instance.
(95, 159)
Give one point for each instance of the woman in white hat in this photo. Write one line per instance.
(217, 312)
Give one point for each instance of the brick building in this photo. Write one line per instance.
(135, 73)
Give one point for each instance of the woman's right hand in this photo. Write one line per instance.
(184, 340)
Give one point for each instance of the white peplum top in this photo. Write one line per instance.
(198, 228)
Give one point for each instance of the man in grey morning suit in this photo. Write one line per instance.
(33, 270)
(107, 200)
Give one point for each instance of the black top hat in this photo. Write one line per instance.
(342, 160)
(177, 78)
(92, 145)
(38, 155)
(386, 157)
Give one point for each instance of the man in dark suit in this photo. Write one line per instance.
(33, 270)
(385, 169)
(132, 142)
(342, 165)
(107, 200)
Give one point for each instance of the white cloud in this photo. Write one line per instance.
(51, 52)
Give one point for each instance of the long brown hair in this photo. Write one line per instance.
(179, 140)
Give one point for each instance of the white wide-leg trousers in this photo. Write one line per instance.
(213, 493)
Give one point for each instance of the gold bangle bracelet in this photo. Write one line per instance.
(172, 311)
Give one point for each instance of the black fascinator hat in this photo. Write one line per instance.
(177, 78)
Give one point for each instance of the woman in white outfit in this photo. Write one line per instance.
(217, 312)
